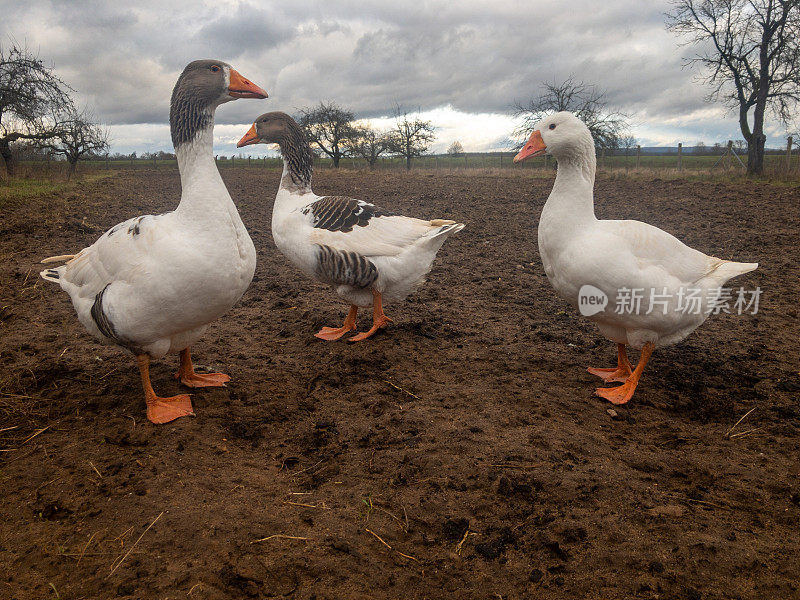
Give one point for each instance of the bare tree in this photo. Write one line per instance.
(368, 143)
(79, 136)
(751, 55)
(587, 102)
(627, 143)
(329, 127)
(411, 136)
(455, 149)
(31, 100)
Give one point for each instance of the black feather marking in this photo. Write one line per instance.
(100, 318)
(53, 273)
(134, 227)
(341, 267)
(338, 213)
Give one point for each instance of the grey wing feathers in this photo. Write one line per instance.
(339, 213)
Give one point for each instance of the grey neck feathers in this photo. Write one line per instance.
(297, 156)
(188, 115)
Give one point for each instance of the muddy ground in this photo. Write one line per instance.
(459, 454)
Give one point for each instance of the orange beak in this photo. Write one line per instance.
(239, 87)
(251, 137)
(534, 147)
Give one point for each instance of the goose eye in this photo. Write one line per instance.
(552, 125)
(215, 69)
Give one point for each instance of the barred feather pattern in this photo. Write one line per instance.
(341, 267)
(188, 113)
(339, 213)
(297, 153)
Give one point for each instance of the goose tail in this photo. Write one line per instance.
(54, 274)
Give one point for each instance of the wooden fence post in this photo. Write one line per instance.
(638, 155)
(788, 153)
(680, 157)
(728, 155)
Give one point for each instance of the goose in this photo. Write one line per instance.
(153, 283)
(367, 254)
(608, 260)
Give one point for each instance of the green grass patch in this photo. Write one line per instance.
(23, 188)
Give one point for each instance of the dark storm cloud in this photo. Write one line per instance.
(479, 57)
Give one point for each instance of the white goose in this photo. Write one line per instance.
(367, 254)
(153, 283)
(617, 258)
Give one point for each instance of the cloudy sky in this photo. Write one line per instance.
(462, 63)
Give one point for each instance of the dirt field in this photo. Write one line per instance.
(459, 454)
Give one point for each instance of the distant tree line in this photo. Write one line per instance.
(38, 114)
(334, 132)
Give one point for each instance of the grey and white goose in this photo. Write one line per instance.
(153, 283)
(366, 253)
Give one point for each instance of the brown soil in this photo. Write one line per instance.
(459, 454)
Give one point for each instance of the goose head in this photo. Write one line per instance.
(201, 88)
(213, 82)
(273, 128)
(563, 135)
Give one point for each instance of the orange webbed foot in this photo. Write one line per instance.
(617, 395)
(378, 324)
(620, 374)
(333, 333)
(623, 393)
(201, 380)
(164, 410)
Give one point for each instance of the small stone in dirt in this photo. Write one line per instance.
(535, 576)
(612, 413)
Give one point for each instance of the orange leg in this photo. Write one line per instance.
(624, 392)
(189, 378)
(162, 410)
(379, 320)
(334, 333)
(620, 373)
